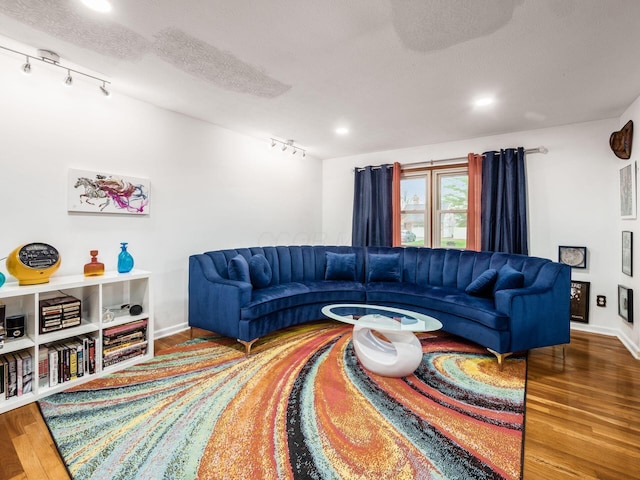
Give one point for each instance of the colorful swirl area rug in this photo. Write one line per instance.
(300, 407)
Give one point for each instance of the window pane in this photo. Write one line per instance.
(453, 230)
(413, 194)
(412, 232)
(453, 192)
(413, 202)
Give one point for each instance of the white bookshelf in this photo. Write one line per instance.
(97, 294)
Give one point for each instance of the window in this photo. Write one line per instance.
(433, 204)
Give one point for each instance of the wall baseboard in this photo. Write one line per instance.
(611, 332)
(172, 330)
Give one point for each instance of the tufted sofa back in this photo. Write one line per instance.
(423, 266)
(290, 263)
(457, 268)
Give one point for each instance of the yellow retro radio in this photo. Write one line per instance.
(33, 263)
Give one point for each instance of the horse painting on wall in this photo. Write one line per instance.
(97, 192)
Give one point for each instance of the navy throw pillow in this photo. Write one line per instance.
(238, 269)
(384, 268)
(483, 285)
(260, 271)
(508, 277)
(340, 266)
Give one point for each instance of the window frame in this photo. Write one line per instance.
(432, 212)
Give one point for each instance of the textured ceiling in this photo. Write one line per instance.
(398, 73)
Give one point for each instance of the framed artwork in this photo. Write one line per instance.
(625, 303)
(575, 257)
(628, 189)
(627, 253)
(580, 301)
(99, 192)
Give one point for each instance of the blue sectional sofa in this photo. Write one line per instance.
(506, 303)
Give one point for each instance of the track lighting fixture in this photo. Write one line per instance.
(287, 144)
(26, 68)
(53, 59)
(103, 89)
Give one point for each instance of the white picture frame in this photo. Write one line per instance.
(98, 192)
(628, 191)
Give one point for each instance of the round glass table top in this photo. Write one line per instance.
(382, 318)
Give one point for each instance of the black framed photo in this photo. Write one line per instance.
(625, 303)
(575, 257)
(580, 301)
(627, 253)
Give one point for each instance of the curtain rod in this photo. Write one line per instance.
(409, 166)
(541, 149)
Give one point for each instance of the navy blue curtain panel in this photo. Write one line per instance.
(372, 207)
(504, 202)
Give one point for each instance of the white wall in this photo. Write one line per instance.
(210, 188)
(573, 200)
(631, 331)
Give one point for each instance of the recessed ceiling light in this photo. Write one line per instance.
(484, 101)
(102, 6)
(342, 130)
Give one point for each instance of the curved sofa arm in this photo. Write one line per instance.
(215, 302)
(539, 314)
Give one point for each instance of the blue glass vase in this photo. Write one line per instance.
(125, 260)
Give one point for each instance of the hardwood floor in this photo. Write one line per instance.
(582, 420)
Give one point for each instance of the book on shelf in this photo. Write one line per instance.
(73, 361)
(18, 373)
(3, 379)
(125, 327)
(124, 354)
(124, 341)
(27, 371)
(12, 379)
(43, 366)
(68, 360)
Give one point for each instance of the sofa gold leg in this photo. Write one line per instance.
(500, 357)
(247, 346)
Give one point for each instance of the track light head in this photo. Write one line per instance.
(304, 153)
(294, 151)
(273, 143)
(26, 68)
(69, 80)
(103, 89)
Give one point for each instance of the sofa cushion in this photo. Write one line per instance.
(384, 268)
(508, 277)
(294, 294)
(260, 271)
(438, 299)
(238, 269)
(482, 286)
(340, 266)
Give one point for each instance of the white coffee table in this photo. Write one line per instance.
(397, 356)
